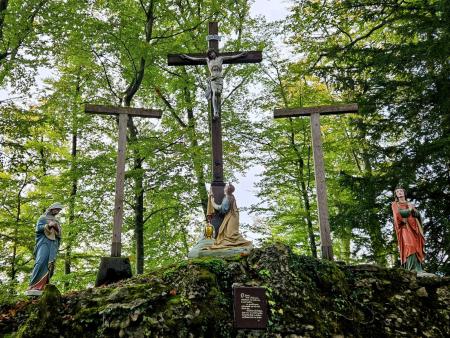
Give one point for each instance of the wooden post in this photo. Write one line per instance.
(321, 188)
(319, 167)
(217, 183)
(116, 247)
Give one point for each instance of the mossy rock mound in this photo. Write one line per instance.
(306, 297)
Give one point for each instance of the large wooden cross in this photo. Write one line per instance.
(124, 113)
(319, 170)
(213, 38)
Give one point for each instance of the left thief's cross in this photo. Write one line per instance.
(124, 113)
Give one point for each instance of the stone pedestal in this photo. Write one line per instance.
(197, 250)
(113, 269)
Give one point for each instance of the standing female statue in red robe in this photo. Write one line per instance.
(408, 227)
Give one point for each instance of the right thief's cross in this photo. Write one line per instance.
(319, 171)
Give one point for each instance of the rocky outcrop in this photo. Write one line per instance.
(306, 297)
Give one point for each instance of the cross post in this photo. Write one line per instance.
(319, 167)
(124, 113)
(215, 87)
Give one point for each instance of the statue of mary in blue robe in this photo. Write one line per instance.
(48, 237)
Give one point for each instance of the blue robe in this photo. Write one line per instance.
(217, 220)
(44, 252)
(225, 206)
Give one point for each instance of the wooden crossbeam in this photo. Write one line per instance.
(250, 57)
(322, 110)
(112, 110)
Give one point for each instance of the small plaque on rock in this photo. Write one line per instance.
(250, 307)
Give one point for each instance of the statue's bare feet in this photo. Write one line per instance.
(425, 274)
(33, 292)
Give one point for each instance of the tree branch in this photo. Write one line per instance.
(106, 74)
(143, 7)
(236, 88)
(157, 211)
(170, 107)
(353, 42)
(179, 32)
(130, 56)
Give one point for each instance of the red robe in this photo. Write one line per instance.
(409, 233)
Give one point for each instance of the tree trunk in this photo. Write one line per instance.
(377, 240)
(300, 165)
(138, 203)
(185, 241)
(16, 232)
(3, 7)
(374, 226)
(196, 161)
(139, 174)
(304, 196)
(73, 193)
(346, 241)
(16, 229)
(133, 87)
(311, 236)
(139, 216)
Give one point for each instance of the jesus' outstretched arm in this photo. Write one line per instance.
(191, 58)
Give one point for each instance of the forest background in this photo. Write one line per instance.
(391, 57)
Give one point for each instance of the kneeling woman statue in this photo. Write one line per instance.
(408, 227)
(228, 235)
(48, 237)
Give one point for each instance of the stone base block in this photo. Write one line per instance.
(197, 250)
(113, 269)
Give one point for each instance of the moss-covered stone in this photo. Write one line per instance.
(307, 297)
(45, 315)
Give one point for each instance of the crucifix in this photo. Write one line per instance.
(109, 263)
(214, 60)
(319, 168)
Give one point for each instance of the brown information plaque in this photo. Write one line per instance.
(250, 307)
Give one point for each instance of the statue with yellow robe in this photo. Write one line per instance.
(228, 234)
(227, 239)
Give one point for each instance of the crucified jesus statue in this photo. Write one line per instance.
(215, 82)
